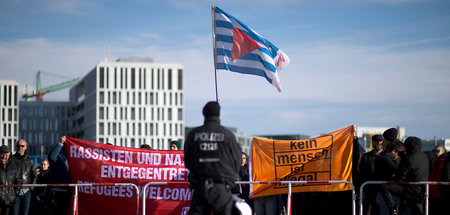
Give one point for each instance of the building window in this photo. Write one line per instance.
(15, 95)
(159, 79)
(180, 79)
(10, 114)
(169, 79)
(102, 77)
(151, 98)
(114, 98)
(133, 114)
(101, 129)
(145, 78)
(151, 129)
(169, 114)
(114, 129)
(115, 78)
(140, 78)
(133, 78)
(121, 78)
(180, 114)
(152, 79)
(140, 98)
(101, 98)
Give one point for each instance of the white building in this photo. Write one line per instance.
(129, 102)
(9, 117)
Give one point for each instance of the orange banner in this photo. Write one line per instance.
(323, 158)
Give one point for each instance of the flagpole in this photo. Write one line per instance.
(213, 14)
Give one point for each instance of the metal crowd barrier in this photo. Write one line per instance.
(75, 198)
(426, 183)
(289, 183)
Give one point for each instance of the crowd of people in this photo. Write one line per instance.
(393, 160)
(216, 162)
(20, 169)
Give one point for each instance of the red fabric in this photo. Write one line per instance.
(242, 44)
(435, 174)
(91, 162)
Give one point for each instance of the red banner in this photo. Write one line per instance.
(91, 162)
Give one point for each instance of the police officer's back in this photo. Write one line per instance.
(213, 158)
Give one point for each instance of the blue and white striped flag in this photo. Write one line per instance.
(238, 48)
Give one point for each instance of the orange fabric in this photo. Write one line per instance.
(323, 158)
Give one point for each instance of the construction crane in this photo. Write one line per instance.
(40, 92)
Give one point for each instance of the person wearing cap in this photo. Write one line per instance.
(366, 169)
(9, 174)
(26, 166)
(389, 135)
(213, 158)
(413, 167)
(175, 145)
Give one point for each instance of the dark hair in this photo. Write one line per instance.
(397, 145)
(145, 146)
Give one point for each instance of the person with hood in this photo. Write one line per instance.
(413, 167)
(213, 158)
(366, 171)
(26, 166)
(9, 174)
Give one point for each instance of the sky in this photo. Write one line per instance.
(381, 63)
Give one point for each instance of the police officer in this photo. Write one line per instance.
(213, 157)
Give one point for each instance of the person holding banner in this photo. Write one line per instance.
(213, 157)
(59, 197)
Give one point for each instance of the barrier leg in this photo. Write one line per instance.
(289, 199)
(427, 193)
(75, 201)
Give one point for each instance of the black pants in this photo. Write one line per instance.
(5, 210)
(370, 200)
(410, 193)
(215, 197)
(59, 202)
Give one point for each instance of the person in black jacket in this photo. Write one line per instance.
(366, 171)
(413, 167)
(213, 157)
(59, 197)
(9, 174)
(26, 166)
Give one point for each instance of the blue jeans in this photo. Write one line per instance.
(22, 204)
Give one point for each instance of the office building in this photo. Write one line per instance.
(42, 124)
(9, 107)
(129, 102)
